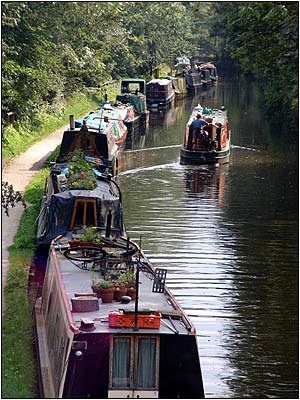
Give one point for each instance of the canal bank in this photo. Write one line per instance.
(19, 173)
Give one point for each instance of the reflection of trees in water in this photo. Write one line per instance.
(261, 338)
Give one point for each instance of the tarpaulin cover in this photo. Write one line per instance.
(138, 103)
(58, 217)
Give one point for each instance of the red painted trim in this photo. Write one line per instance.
(73, 327)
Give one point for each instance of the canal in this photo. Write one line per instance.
(228, 237)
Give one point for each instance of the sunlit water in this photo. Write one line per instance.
(229, 240)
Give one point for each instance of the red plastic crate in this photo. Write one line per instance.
(118, 319)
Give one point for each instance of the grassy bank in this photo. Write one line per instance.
(19, 137)
(19, 376)
(19, 373)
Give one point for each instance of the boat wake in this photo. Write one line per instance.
(154, 167)
(245, 148)
(153, 148)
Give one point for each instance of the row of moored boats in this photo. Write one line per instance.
(139, 343)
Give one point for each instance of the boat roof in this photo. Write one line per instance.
(133, 80)
(74, 139)
(104, 190)
(160, 81)
(114, 112)
(59, 206)
(78, 281)
(206, 64)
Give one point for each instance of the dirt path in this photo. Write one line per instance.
(19, 173)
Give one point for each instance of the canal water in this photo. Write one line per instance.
(228, 238)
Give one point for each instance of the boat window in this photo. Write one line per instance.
(121, 362)
(84, 213)
(134, 362)
(146, 363)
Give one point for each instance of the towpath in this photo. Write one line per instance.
(19, 173)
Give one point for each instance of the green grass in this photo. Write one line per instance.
(18, 138)
(19, 374)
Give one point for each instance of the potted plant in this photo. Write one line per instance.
(81, 175)
(128, 278)
(88, 237)
(107, 291)
(131, 292)
(120, 288)
(96, 285)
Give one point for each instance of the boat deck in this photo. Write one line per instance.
(78, 281)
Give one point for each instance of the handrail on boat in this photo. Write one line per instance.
(73, 327)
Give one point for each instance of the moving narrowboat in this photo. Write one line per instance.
(159, 92)
(140, 345)
(209, 145)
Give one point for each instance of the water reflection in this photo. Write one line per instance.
(262, 340)
(229, 240)
(208, 181)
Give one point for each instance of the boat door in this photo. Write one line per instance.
(134, 366)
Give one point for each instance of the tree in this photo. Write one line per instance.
(263, 37)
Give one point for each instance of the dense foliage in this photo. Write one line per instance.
(52, 49)
(263, 37)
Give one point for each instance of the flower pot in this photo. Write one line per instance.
(131, 292)
(97, 290)
(107, 295)
(120, 291)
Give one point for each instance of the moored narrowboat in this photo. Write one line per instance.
(159, 92)
(212, 71)
(205, 77)
(180, 86)
(127, 348)
(91, 142)
(181, 67)
(107, 118)
(133, 94)
(210, 143)
(193, 81)
(80, 189)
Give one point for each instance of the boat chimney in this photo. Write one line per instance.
(72, 123)
(108, 224)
